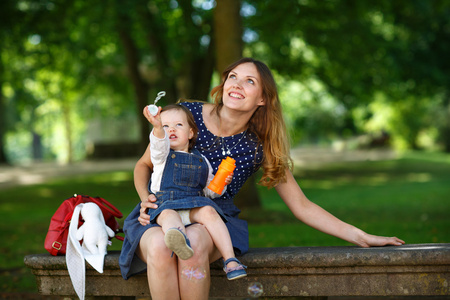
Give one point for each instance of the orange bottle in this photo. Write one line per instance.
(226, 168)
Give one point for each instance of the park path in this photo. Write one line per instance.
(40, 172)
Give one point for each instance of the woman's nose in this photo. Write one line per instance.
(237, 84)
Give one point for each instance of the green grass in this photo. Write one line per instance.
(406, 197)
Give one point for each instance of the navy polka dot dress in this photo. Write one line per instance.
(243, 147)
(247, 151)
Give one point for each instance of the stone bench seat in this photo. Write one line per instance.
(408, 270)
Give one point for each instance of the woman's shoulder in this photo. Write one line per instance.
(196, 104)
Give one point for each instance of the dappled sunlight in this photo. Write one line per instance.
(112, 178)
(45, 192)
(419, 177)
(7, 207)
(373, 180)
(38, 173)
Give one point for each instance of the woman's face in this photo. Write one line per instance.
(242, 89)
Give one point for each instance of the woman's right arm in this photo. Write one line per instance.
(142, 172)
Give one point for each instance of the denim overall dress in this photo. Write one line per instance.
(183, 180)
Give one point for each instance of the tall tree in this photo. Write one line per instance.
(229, 46)
(177, 56)
(228, 32)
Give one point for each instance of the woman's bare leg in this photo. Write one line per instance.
(194, 275)
(209, 217)
(162, 270)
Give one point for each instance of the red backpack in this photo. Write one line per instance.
(56, 239)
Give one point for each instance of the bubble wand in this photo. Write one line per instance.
(152, 108)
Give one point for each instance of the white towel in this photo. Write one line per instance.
(76, 254)
(75, 257)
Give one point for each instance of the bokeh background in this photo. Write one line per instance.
(365, 88)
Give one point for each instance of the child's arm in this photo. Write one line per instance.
(159, 146)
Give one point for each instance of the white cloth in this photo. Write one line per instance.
(76, 254)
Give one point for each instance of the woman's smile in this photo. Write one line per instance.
(236, 95)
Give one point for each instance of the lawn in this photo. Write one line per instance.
(407, 197)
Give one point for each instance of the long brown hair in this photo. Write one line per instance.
(267, 123)
(190, 120)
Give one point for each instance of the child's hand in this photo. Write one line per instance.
(229, 179)
(154, 120)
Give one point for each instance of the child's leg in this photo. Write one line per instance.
(169, 218)
(209, 217)
(175, 234)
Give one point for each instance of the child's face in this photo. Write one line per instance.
(177, 128)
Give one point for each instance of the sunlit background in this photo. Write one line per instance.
(75, 75)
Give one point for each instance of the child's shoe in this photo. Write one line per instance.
(234, 273)
(177, 241)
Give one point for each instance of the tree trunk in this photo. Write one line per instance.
(228, 33)
(2, 118)
(201, 77)
(155, 35)
(140, 86)
(229, 44)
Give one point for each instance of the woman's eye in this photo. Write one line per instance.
(165, 126)
(251, 81)
(180, 125)
(232, 76)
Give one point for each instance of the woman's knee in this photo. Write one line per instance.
(202, 243)
(153, 249)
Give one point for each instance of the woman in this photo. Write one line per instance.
(246, 123)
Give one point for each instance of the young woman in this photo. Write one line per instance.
(245, 121)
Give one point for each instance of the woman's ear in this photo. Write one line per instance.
(191, 133)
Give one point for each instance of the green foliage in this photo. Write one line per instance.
(64, 63)
(357, 50)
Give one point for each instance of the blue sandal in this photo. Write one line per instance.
(234, 273)
(178, 242)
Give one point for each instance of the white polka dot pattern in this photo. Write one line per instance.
(244, 149)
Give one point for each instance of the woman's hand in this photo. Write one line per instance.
(369, 240)
(147, 204)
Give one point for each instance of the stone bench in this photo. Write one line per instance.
(310, 272)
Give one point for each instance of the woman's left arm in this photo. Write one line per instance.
(318, 218)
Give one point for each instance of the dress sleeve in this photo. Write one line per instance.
(159, 150)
